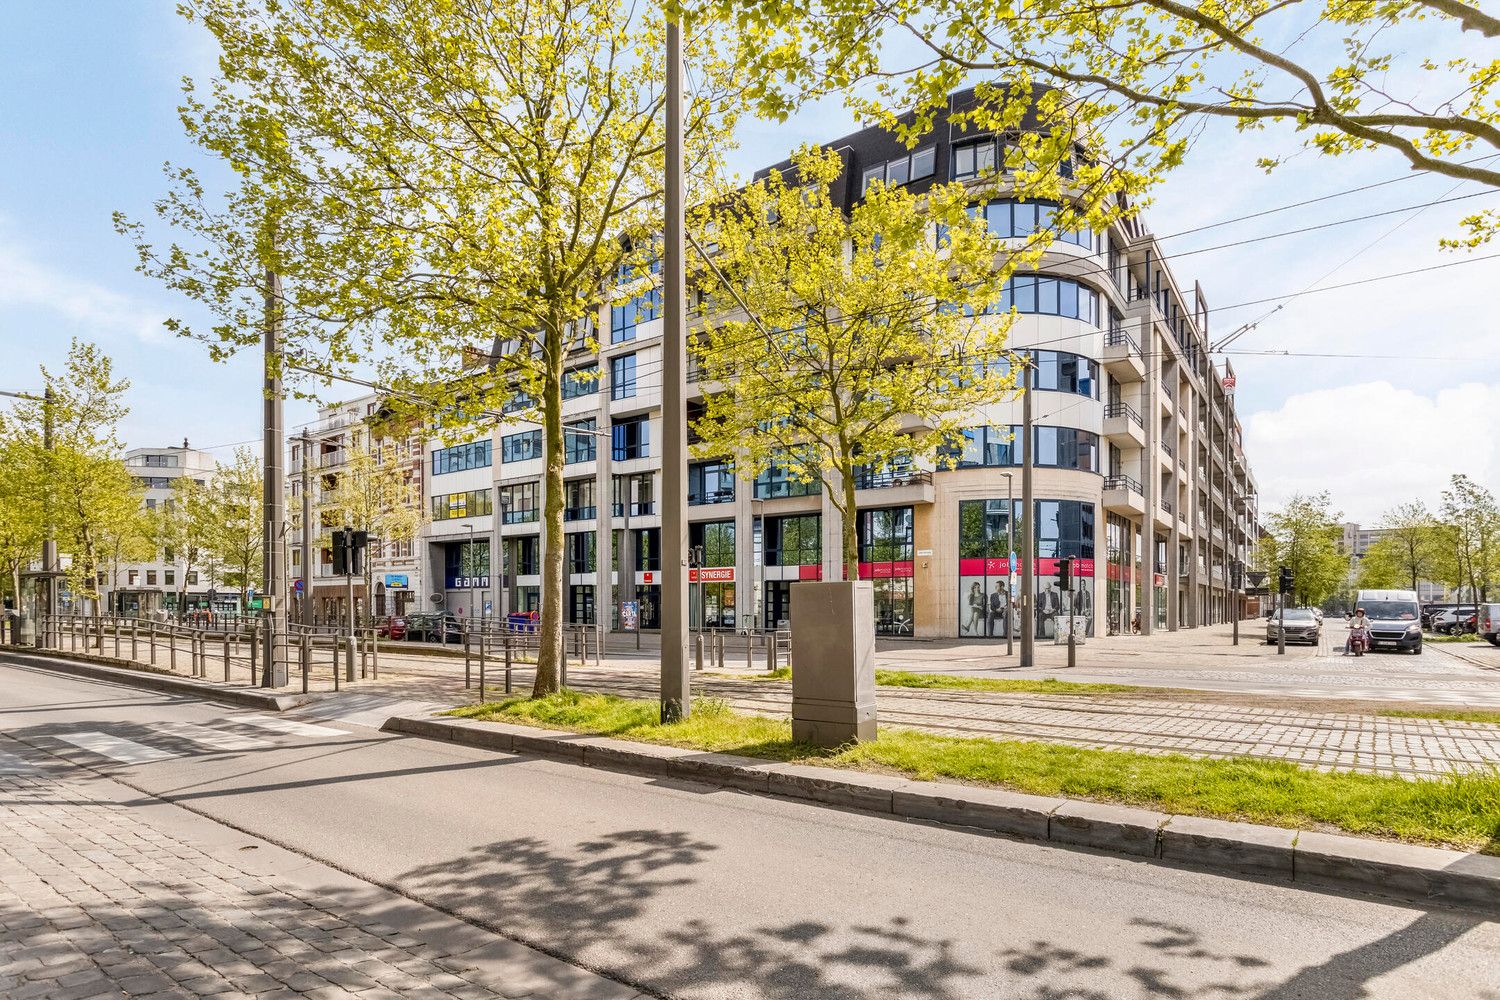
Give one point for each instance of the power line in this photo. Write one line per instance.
(1352, 284)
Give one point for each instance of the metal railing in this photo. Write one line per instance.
(705, 497)
(892, 478)
(1122, 482)
(1119, 338)
(1123, 410)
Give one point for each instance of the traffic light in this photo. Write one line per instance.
(358, 540)
(341, 552)
(1065, 573)
(1284, 582)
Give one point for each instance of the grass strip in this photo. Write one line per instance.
(1457, 811)
(1444, 714)
(911, 679)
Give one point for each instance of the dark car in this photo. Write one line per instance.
(434, 627)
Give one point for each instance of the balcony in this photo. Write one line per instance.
(580, 513)
(1122, 357)
(910, 485)
(1123, 495)
(700, 498)
(1124, 424)
(1164, 512)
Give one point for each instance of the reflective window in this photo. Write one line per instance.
(520, 447)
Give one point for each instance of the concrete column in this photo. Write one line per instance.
(832, 526)
(744, 554)
(1150, 480)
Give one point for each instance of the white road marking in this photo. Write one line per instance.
(373, 713)
(116, 748)
(213, 738)
(288, 727)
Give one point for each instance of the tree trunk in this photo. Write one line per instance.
(550, 635)
(851, 523)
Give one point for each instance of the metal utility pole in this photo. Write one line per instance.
(1010, 559)
(676, 696)
(1028, 532)
(273, 504)
(307, 529)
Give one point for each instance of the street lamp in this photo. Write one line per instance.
(1010, 558)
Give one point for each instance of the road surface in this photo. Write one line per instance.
(687, 891)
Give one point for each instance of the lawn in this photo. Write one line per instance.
(909, 679)
(1445, 714)
(1460, 811)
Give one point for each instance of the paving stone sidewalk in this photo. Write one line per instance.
(95, 902)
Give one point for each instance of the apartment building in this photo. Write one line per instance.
(329, 446)
(147, 588)
(1141, 475)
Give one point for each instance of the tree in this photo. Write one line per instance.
(187, 525)
(437, 178)
(233, 538)
(377, 493)
(1303, 535)
(22, 508)
(868, 342)
(1150, 72)
(1406, 553)
(1473, 532)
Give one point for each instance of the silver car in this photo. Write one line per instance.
(1301, 626)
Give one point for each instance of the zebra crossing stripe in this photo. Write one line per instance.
(213, 738)
(116, 747)
(288, 727)
(374, 714)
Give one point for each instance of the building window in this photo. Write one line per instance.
(519, 502)
(647, 542)
(461, 458)
(622, 377)
(1067, 448)
(527, 555)
(710, 482)
(777, 482)
(1060, 371)
(885, 536)
(581, 604)
(631, 439)
(579, 441)
(715, 539)
(192, 578)
(998, 447)
(578, 500)
(520, 399)
(916, 166)
(473, 503)
(579, 550)
(973, 159)
(522, 446)
(794, 541)
(580, 381)
(646, 305)
(1009, 219)
(169, 577)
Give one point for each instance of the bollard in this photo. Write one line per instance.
(135, 650)
(698, 649)
(349, 658)
(719, 649)
(468, 660)
(749, 651)
(172, 663)
(771, 655)
(364, 657)
(254, 652)
(335, 638)
(507, 663)
(374, 657)
(151, 642)
(117, 638)
(482, 644)
(306, 657)
(226, 657)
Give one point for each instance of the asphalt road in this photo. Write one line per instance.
(695, 892)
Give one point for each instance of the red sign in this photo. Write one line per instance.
(809, 572)
(648, 577)
(1160, 579)
(1227, 382)
(711, 574)
(884, 570)
(1001, 567)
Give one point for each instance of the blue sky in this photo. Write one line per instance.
(88, 93)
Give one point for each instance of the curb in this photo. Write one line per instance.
(107, 668)
(1407, 871)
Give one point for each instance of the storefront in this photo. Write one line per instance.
(989, 572)
(885, 559)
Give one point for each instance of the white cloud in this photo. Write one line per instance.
(92, 308)
(1372, 445)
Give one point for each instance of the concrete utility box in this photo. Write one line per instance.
(833, 662)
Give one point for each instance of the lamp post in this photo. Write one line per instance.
(1010, 558)
(504, 603)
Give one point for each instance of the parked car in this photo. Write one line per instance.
(1301, 626)
(1489, 623)
(434, 627)
(391, 627)
(1431, 611)
(1395, 619)
(1455, 621)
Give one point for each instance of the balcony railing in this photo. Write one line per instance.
(1123, 410)
(642, 509)
(1168, 449)
(1119, 338)
(1166, 505)
(1122, 483)
(891, 478)
(580, 513)
(722, 495)
(1168, 391)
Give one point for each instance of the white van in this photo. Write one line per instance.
(1395, 618)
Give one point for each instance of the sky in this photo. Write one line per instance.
(88, 97)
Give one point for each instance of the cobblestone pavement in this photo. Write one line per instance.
(100, 897)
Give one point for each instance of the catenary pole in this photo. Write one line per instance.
(273, 504)
(304, 605)
(1028, 531)
(676, 701)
